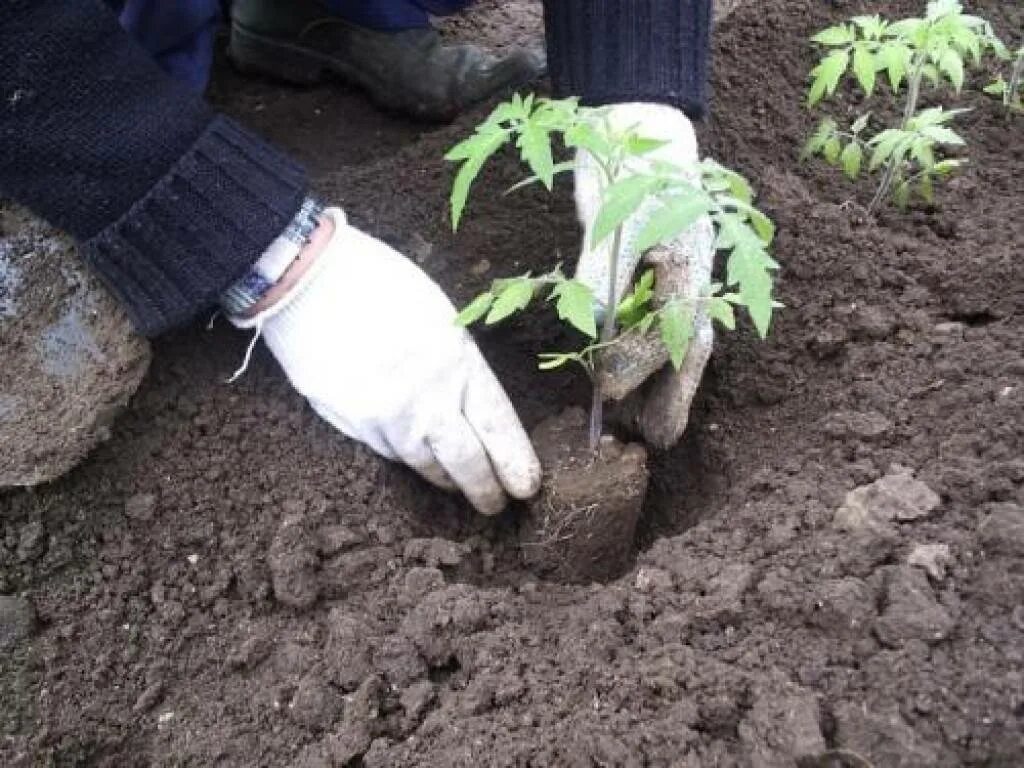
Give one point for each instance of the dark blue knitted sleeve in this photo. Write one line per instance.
(608, 51)
(170, 202)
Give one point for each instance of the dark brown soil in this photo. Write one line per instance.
(228, 582)
(581, 526)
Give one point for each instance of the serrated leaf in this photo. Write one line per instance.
(833, 147)
(864, 68)
(952, 66)
(837, 35)
(826, 128)
(470, 169)
(942, 135)
(583, 135)
(947, 166)
(535, 147)
(634, 305)
(748, 267)
(998, 88)
(884, 143)
(640, 145)
(739, 187)
(676, 214)
(895, 59)
(476, 309)
(860, 123)
(721, 311)
(851, 159)
(575, 305)
(676, 326)
(921, 151)
(826, 76)
(621, 200)
(515, 296)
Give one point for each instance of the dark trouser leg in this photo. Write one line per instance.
(179, 35)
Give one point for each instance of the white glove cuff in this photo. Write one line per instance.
(338, 218)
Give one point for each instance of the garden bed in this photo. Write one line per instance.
(229, 582)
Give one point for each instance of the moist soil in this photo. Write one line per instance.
(581, 526)
(229, 582)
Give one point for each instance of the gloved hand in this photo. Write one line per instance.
(372, 343)
(660, 410)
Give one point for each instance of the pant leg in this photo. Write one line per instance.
(179, 35)
(394, 14)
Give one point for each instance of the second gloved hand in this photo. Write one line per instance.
(660, 409)
(371, 342)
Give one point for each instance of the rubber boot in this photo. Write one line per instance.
(408, 71)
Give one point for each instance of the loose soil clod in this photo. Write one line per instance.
(581, 526)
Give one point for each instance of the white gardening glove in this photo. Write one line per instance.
(372, 343)
(660, 410)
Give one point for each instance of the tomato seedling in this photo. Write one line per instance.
(670, 199)
(934, 49)
(1010, 89)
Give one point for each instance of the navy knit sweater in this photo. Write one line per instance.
(172, 202)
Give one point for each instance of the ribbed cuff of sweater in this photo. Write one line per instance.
(612, 51)
(199, 228)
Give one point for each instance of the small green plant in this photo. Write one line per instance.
(1011, 89)
(673, 199)
(911, 53)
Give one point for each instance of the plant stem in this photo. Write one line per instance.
(909, 109)
(607, 333)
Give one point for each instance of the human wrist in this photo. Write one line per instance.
(288, 253)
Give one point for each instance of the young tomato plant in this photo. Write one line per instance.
(911, 53)
(1011, 89)
(672, 199)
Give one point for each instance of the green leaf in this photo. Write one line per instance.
(621, 200)
(826, 76)
(676, 326)
(952, 66)
(872, 27)
(837, 35)
(860, 123)
(851, 159)
(942, 134)
(576, 306)
(486, 146)
(921, 151)
(739, 187)
(895, 59)
(721, 311)
(825, 130)
(998, 88)
(583, 135)
(632, 308)
(677, 214)
(832, 149)
(864, 68)
(884, 143)
(476, 309)
(535, 147)
(947, 166)
(639, 145)
(515, 296)
(749, 268)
